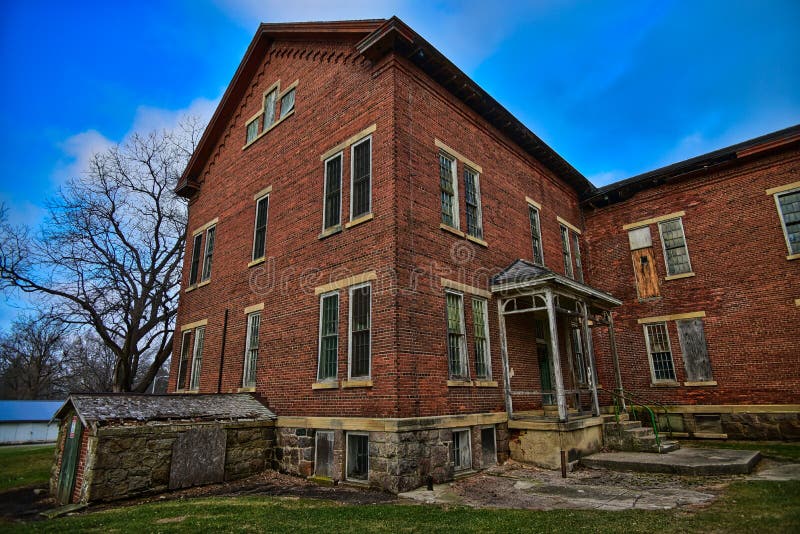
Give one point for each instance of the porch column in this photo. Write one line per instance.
(501, 318)
(561, 400)
(612, 341)
(590, 353)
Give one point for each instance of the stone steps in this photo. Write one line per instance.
(627, 435)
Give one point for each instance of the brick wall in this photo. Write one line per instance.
(743, 281)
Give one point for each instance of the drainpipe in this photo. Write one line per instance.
(222, 351)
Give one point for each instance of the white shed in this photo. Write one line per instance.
(28, 421)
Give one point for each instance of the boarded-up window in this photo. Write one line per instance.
(695, 351)
(357, 456)
(644, 269)
(462, 452)
(323, 456)
(640, 238)
(488, 447)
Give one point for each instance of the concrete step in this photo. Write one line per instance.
(669, 445)
(682, 461)
(611, 418)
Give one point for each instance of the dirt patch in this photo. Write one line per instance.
(25, 503)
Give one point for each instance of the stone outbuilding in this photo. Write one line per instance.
(112, 446)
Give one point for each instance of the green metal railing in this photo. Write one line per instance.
(620, 394)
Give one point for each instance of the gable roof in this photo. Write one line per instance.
(705, 163)
(27, 411)
(114, 407)
(377, 38)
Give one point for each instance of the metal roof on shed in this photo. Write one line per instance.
(122, 407)
(17, 411)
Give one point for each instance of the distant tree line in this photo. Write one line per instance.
(106, 265)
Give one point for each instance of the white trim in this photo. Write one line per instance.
(322, 297)
(664, 247)
(350, 292)
(650, 354)
(347, 456)
(469, 448)
(255, 228)
(339, 154)
(783, 221)
(486, 329)
(464, 354)
(352, 168)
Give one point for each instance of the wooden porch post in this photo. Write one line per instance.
(590, 352)
(612, 341)
(551, 318)
(501, 318)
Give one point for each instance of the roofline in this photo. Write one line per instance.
(705, 163)
(265, 34)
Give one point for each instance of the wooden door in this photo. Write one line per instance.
(69, 461)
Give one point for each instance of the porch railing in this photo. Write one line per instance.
(635, 400)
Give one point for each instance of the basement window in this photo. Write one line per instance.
(789, 210)
(323, 454)
(461, 450)
(328, 336)
(660, 353)
(447, 184)
(357, 456)
(456, 337)
(480, 322)
(251, 350)
(673, 241)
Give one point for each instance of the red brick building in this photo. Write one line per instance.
(414, 282)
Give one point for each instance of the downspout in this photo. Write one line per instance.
(222, 351)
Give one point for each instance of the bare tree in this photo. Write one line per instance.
(111, 250)
(89, 365)
(30, 359)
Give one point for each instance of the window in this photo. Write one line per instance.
(536, 235)
(269, 108)
(462, 451)
(360, 330)
(323, 454)
(251, 350)
(328, 336)
(456, 338)
(210, 233)
(287, 103)
(577, 353)
(357, 456)
(197, 357)
(333, 192)
(260, 233)
(183, 364)
(673, 240)
(361, 178)
(660, 353)
(578, 267)
(488, 447)
(694, 350)
(566, 252)
(447, 167)
(480, 323)
(195, 266)
(789, 209)
(252, 129)
(472, 197)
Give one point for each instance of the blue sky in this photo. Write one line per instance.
(617, 88)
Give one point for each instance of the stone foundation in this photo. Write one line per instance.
(123, 461)
(541, 443)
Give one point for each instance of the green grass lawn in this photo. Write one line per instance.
(23, 466)
(745, 507)
(778, 450)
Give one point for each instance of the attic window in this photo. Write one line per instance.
(287, 103)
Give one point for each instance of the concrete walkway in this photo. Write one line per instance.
(685, 461)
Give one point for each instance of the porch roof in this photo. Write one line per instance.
(523, 275)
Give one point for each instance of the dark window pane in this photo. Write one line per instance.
(210, 234)
(260, 239)
(329, 337)
(361, 178)
(447, 189)
(455, 335)
(578, 266)
(790, 213)
(357, 457)
(193, 270)
(183, 365)
(471, 196)
(566, 253)
(536, 236)
(360, 332)
(481, 338)
(333, 187)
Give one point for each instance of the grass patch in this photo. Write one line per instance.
(24, 466)
(746, 507)
(778, 450)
